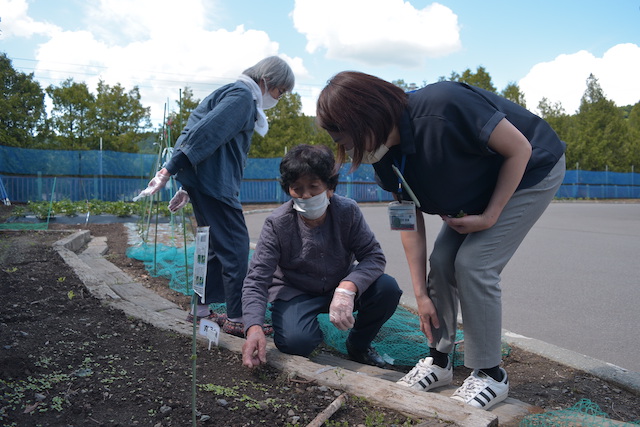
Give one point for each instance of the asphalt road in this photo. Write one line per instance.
(573, 283)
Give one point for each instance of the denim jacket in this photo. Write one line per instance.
(216, 141)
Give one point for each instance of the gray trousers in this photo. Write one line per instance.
(466, 269)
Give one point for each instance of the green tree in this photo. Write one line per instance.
(408, 86)
(481, 78)
(512, 92)
(401, 84)
(633, 123)
(71, 115)
(178, 119)
(22, 109)
(626, 110)
(288, 127)
(119, 119)
(555, 115)
(634, 118)
(600, 136)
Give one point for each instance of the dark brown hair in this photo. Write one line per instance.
(308, 160)
(361, 106)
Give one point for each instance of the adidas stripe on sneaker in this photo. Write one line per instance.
(426, 376)
(482, 391)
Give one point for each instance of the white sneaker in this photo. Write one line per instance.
(426, 376)
(482, 391)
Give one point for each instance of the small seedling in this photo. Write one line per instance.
(458, 215)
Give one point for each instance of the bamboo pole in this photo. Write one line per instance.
(328, 411)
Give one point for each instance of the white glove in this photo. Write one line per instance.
(156, 184)
(341, 309)
(179, 201)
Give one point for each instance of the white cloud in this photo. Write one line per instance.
(308, 97)
(618, 74)
(153, 45)
(377, 32)
(119, 21)
(564, 79)
(17, 23)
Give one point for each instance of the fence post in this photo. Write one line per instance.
(605, 190)
(577, 184)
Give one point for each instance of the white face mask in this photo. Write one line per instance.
(268, 101)
(313, 207)
(370, 157)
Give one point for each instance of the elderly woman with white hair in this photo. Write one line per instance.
(208, 161)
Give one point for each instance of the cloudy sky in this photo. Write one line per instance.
(548, 48)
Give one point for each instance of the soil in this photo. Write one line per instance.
(68, 360)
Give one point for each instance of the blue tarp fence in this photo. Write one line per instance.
(28, 175)
(579, 184)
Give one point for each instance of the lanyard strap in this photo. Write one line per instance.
(401, 170)
(402, 182)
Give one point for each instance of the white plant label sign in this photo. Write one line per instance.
(200, 261)
(211, 330)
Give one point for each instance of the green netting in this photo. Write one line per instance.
(585, 413)
(167, 261)
(400, 340)
(16, 226)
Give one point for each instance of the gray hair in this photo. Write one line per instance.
(275, 71)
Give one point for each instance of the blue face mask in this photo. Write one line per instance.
(313, 207)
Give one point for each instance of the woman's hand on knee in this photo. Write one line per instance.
(254, 349)
(428, 316)
(341, 308)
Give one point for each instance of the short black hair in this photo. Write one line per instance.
(308, 160)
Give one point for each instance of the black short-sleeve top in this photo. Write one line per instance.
(444, 142)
